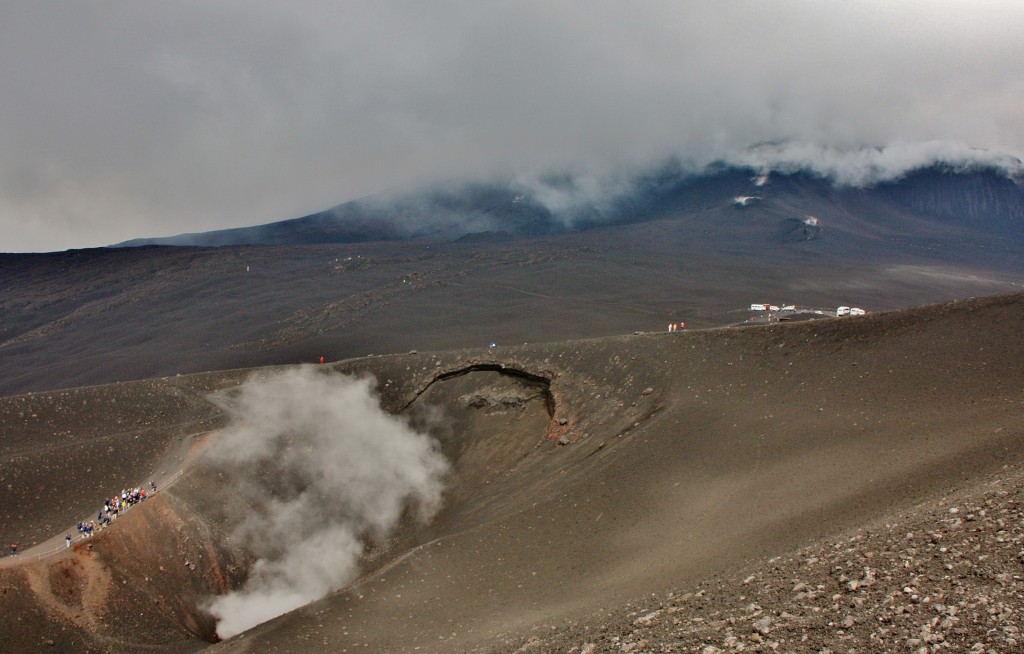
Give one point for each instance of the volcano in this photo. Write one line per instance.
(605, 491)
(737, 485)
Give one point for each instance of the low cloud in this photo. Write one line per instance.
(123, 121)
(866, 166)
(315, 469)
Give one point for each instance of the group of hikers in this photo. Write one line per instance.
(110, 510)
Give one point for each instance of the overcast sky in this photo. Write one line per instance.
(132, 119)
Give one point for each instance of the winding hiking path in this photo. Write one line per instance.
(166, 472)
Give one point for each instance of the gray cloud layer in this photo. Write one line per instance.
(135, 119)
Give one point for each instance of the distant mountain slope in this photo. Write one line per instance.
(444, 214)
(455, 269)
(979, 199)
(982, 200)
(94, 316)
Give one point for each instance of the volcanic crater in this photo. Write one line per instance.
(584, 475)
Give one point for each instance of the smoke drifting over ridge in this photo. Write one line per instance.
(126, 121)
(595, 194)
(315, 468)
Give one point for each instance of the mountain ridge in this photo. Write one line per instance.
(983, 198)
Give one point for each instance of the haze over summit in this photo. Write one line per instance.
(157, 120)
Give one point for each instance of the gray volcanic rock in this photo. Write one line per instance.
(941, 578)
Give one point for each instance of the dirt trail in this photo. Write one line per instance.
(165, 473)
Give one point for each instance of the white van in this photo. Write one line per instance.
(843, 311)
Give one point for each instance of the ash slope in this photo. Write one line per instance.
(682, 251)
(688, 455)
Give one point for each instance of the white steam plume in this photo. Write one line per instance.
(585, 192)
(319, 468)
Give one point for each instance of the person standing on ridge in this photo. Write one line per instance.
(67, 539)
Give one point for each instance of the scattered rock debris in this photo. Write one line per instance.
(946, 578)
